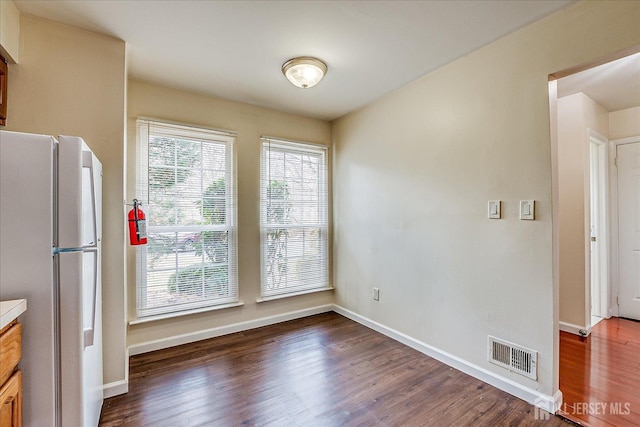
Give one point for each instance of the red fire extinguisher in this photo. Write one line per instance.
(137, 225)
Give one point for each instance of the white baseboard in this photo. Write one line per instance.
(574, 329)
(557, 401)
(548, 403)
(121, 387)
(148, 346)
(115, 388)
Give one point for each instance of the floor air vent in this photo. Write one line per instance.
(513, 357)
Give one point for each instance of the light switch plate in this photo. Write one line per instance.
(527, 209)
(494, 209)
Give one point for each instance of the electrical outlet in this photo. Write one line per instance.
(376, 294)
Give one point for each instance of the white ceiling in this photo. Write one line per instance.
(234, 49)
(615, 85)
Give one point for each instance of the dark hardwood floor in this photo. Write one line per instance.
(603, 372)
(322, 370)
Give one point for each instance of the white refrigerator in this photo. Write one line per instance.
(50, 250)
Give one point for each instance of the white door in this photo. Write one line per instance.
(628, 156)
(595, 235)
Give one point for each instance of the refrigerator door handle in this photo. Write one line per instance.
(90, 332)
(87, 162)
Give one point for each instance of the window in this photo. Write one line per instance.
(293, 218)
(186, 182)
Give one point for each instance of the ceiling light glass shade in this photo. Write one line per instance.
(304, 72)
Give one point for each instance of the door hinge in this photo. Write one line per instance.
(618, 301)
(615, 160)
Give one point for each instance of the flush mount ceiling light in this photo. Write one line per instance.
(305, 71)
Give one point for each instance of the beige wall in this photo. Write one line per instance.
(250, 122)
(72, 82)
(413, 173)
(9, 31)
(624, 123)
(576, 115)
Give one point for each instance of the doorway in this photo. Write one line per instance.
(597, 179)
(593, 107)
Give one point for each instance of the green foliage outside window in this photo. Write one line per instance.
(210, 278)
(278, 212)
(172, 161)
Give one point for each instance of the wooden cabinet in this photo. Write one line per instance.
(11, 401)
(4, 70)
(10, 375)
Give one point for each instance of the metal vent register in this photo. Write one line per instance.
(513, 357)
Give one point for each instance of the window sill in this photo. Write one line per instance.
(184, 313)
(292, 294)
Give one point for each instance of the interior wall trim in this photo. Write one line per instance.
(115, 388)
(539, 400)
(545, 402)
(146, 347)
(574, 329)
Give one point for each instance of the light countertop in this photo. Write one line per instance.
(10, 310)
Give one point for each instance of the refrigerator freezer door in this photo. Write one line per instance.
(89, 209)
(26, 265)
(70, 227)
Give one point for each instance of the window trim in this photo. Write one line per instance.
(187, 131)
(266, 142)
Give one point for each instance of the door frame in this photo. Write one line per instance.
(552, 88)
(613, 200)
(603, 230)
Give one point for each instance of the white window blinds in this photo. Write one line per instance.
(187, 184)
(293, 217)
